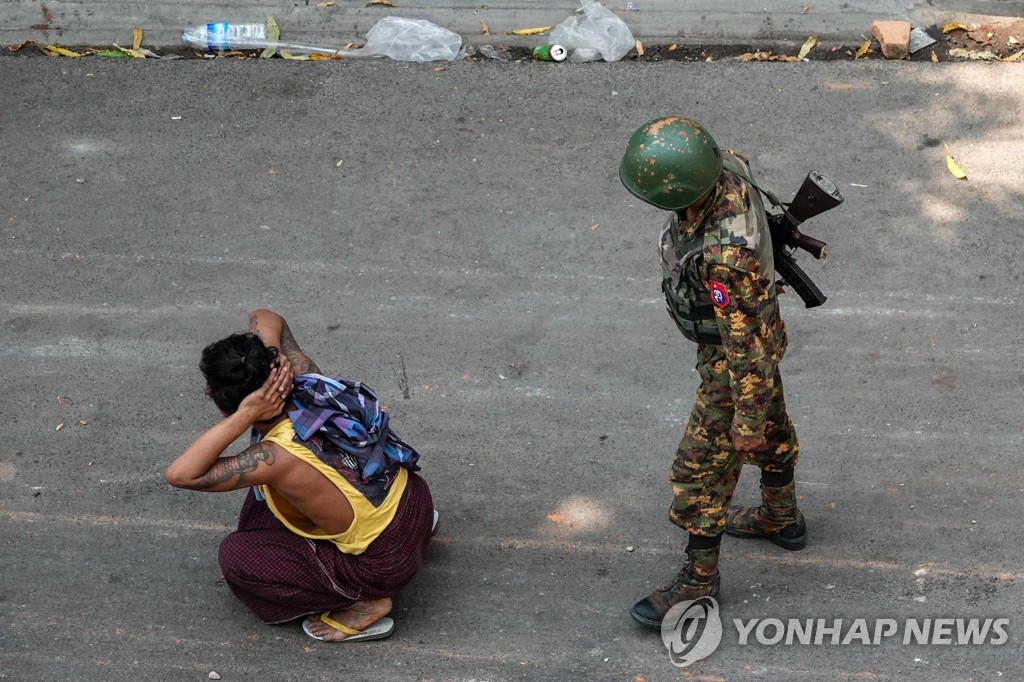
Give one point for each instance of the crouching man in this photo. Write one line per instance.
(335, 521)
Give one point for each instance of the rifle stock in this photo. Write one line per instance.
(816, 195)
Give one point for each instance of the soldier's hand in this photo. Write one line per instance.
(747, 443)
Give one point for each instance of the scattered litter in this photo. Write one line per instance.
(763, 57)
(864, 49)
(598, 29)
(550, 53)
(59, 426)
(83, 422)
(407, 40)
(854, 184)
(136, 38)
(919, 40)
(631, 7)
(80, 181)
(585, 54)
(639, 49)
(491, 52)
(387, 3)
(213, 675)
(629, 549)
(175, 118)
(484, 28)
(328, 3)
(921, 598)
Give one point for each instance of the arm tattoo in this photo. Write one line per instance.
(290, 347)
(227, 468)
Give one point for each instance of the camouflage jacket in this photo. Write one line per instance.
(723, 262)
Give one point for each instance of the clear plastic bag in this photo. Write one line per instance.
(599, 28)
(411, 40)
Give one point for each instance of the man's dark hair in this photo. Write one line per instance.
(235, 367)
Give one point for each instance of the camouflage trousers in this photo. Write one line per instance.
(706, 467)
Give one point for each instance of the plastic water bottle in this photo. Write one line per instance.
(226, 37)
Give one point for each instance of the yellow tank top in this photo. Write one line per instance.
(368, 521)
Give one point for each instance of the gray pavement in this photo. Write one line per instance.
(100, 22)
(459, 233)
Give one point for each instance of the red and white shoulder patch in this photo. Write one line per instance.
(719, 294)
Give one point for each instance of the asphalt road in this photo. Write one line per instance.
(457, 238)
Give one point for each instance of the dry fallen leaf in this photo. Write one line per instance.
(320, 57)
(985, 55)
(83, 422)
(864, 48)
(806, 9)
(136, 38)
(484, 28)
(296, 57)
(1014, 57)
(951, 164)
(639, 49)
(954, 26)
(64, 52)
(935, 57)
(673, 47)
(134, 53)
(531, 31)
(807, 46)
(59, 426)
(386, 3)
(329, 3)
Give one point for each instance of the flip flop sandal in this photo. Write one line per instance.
(379, 630)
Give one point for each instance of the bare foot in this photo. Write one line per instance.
(359, 617)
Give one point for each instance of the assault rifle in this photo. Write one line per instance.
(817, 195)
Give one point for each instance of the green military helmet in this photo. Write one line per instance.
(670, 163)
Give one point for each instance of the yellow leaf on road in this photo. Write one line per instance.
(956, 170)
(864, 48)
(63, 51)
(387, 3)
(329, 3)
(935, 57)
(808, 44)
(954, 26)
(134, 53)
(273, 35)
(484, 28)
(136, 38)
(531, 31)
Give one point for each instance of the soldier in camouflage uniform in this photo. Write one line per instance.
(719, 283)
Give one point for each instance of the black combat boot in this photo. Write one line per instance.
(697, 578)
(777, 519)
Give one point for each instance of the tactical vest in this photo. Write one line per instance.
(689, 301)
